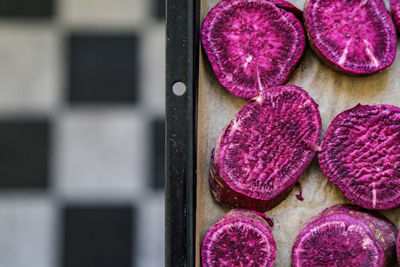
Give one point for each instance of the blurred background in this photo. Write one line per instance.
(81, 133)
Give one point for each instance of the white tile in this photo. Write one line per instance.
(153, 68)
(102, 154)
(27, 231)
(104, 12)
(29, 68)
(150, 242)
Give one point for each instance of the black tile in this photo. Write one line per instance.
(158, 153)
(98, 236)
(27, 8)
(159, 9)
(24, 154)
(103, 68)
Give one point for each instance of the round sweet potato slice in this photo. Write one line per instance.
(239, 238)
(356, 37)
(345, 235)
(261, 154)
(252, 45)
(360, 154)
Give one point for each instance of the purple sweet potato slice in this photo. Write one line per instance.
(345, 235)
(360, 154)
(261, 154)
(395, 9)
(356, 37)
(289, 7)
(252, 45)
(239, 238)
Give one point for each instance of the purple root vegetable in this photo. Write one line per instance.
(252, 45)
(395, 9)
(346, 236)
(239, 238)
(354, 37)
(360, 154)
(260, 155)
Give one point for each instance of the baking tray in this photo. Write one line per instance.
(182, 66)
(195, 119)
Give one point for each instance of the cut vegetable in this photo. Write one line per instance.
(239, 238)
(395, 9)
(252, 45)
(345, 235)
(360, 154)
(355, 37)
(265, 149)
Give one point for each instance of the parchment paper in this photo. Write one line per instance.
(333, 92)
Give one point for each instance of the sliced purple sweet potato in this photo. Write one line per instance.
(252, 45)
(356, 37)
(360, 154)
(239, 238)
(261, 154)
(346, 236)
(395, 9)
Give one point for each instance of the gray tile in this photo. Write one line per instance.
(98, 236)
(101, 154)
(157, 145)
(29, 68)
(103, 68)
(43, 9)
(104, 13)
(27, 229)
(25, 152)
(159, 9)
(150, 248)
(153, 64)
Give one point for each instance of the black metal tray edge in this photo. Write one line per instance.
(182, 65)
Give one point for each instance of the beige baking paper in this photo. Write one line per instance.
(333, 92)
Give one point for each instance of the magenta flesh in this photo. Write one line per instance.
(345, 236)
(239, 238)
(395, 9)
(360, 154)
(356, 37)
(265, 149)
(252, 45)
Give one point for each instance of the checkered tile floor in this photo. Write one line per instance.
(81, 133)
